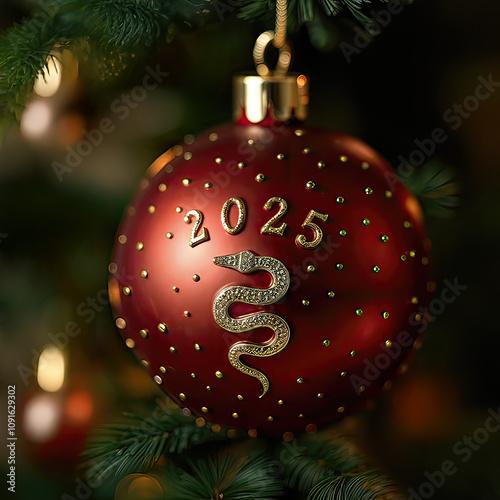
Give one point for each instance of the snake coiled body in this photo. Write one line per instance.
(247, 262)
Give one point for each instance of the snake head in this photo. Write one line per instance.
(242, 261)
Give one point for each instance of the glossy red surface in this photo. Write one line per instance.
(350, 167)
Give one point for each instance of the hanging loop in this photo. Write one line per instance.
(259, 51)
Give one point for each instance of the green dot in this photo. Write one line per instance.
(384, 238)
(376, 269)
(366, 222)
(326, 342)
(343, 232)
(359, 312)
(340, 200)
(385, 314)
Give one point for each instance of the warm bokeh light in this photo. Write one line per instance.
(49, 80)
(255, 99)
(138, 487)
(302, 81)
(79, 407)
(50, 371)
(36, 119)
(41, 417)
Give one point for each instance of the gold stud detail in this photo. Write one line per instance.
(162, 187)
(178, 209)
(196, 277)
(144, 362)
(151, 209)
(413, 253)
(219, 374)
(326, 342)
(208, 388)
(306, 151)
(311, 269)
(188, 155)
(213, 136)
(340, 200)
(300, 380)
(341, 409)
(197, 347)
(163, 369)
(353, 353)
(331, 294)
(193, 375)
(368, 190)
(414, 300)
(139, 245)
(120, 323)
(306, 302)
(320, 395)
(310, 185)
(403, 258)
(172, 349)
(216, 428)
(343, 233)
(144, 333)
(175, 289)
(418, 317)
(343, 374)
(251, 142)
(219, 160)
(358, 312)
(407, 224)
(365, 165)
(186, 182)
(130, 343)
(112, 268)
(204, 409)
(384, 238)
(182, 396)
(235, 415)
(280, 156)
(280, 402)
(158, 379)
(241, 165)
(425, 261)
(388, 194)
(127, 290)
(162, 327)
(361, 388)
(385, 314)
(200, 422)
(321, 165)
(339, 266)
(299, 133)
(300, 415)
(252, 433)
(343, 158)
(376, 269)
(208, 185)
(144, 273)
(388, 343)
(260, 178)
(240, 397)
(187, 314)
(122, 239)
(270, 418)
(169, 236)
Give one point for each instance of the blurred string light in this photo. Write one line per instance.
(50, 370)
(49, 79)
(41, 418)
(138, 487)
(36, 119)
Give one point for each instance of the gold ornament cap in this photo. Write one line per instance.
(271, 98)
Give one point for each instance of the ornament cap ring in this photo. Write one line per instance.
(259, 55)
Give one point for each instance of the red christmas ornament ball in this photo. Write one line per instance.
(270, 278)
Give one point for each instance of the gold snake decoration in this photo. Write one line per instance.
(247, 262)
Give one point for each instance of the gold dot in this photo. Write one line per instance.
(280, 401)
(299, 133)
(193, 375)
(343, 374)
(412, 253)
(216, 428)
(235, 415)
(403, 257)
(208, 185)
(219, 374)
(196, 277)
(162, 327)
(187, 314)
(213, 136)
(368, 190)
(163, 369)
(130, 343)
(385, 314)
(144, 273)
(260, 178)
(341, 409)
(127, 290)
(407, 224)
(208, 388)
(139, 245)
(169, 236)
(280, 156)
(186, 182)
(353, 353)
(162, 187)
(200, 422)
(388, 194)
(189, 139)
(388, 343)
(241, 165)
(288, 436)
(252, 433)
(120, 323)
(231, 434)
(122, 239)
(112, 268)
(175, 289)
(198, 347)
(144, 362)
(365, 165)
(204, 409)
(320, 395)
(306, 151)
(343, 158)
(321, 164)
(172, 349)
(310, 185)
(219, 160)
(418, 317)
(240, 397)
(339, 266)
(270, 418)
(182, 396)
(425, 261)
(361, 388)
(311, 429)
(169, 169)
(330, 294)
(300, 380)
(251, 142)
(342, 233)
(340, 200)
(188, 155)
(158, 379)
(151, 209)
(305, 302)
(144, 333)
(300, 415)
(414, 300)
(311, 269)
(178, 209)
